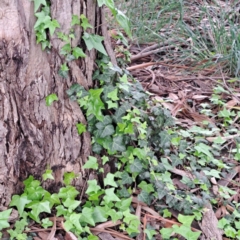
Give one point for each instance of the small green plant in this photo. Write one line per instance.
(38, 204)
(184, 229)
(44, 24)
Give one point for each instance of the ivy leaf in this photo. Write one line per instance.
(85, 24)
(166, 233)
(146, 187)
(41, 20)
(91, 163)
(185, 219)
(87, 216)
(47, 175)
(213, 173)
(144, 197)
(71, 204)
(19, 202)
(126, 178)
(4, 215)
(95, 104)
(124, 204)
(61, 211)
(52, 198)
(81, 128)
(94, 41)
(46, 223)
(66, 49)
(63, 72)
(115, 215)
(136, 166)
(51, 98)
(99, 214)
(74, 220)
(113, 95)
(37, 4)
(117, 144)
(109, 180)
(203, 148)
(92, 186)
(110, 196)
(68, 192)
(105, 159)
(100, 2)
(38, 208)
(107, 131)
(75, 20)
(112, 104)
(68, 177)
(51, 25)
(78, 52)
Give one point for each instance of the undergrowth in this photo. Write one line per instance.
(196, 33)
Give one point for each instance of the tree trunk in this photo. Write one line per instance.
(34, 136)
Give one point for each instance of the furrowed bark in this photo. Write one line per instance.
(32, 135)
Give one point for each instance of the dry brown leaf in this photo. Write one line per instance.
(199, 97)
(173, 96)
(231, 103)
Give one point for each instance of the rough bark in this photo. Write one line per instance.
(32, 135)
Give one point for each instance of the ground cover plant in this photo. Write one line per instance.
(166, 163)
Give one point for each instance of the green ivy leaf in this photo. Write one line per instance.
(68, 192)
(146, 187)
(87, 216)
(4, 215)
(105, 159)
(37, 4)
(52, 198)
(61, 211)
(73, 221)
(109, 180)
(213, 173)
(81, 128)
(91, 163)
(136, 166)
(166, 233)
(203, 148)
(95, 104)
(124, 204)
(107, 131)
(93, 187)
(37, 208)
(78, 52)
(110, 196)
(85, 24)
(68, 177)
(51, 25)
(185, 219)
(126, 178)
(20, 202)
(47, 175)
(66, 49)
(75, 20)
(144, 197)
(99, 214)
(115, 215)
(71, 204)
(113, 95)
(94, 41)
(117, 144)
(46, 223)
(51, 98)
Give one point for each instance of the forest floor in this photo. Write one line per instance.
(186, 55)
